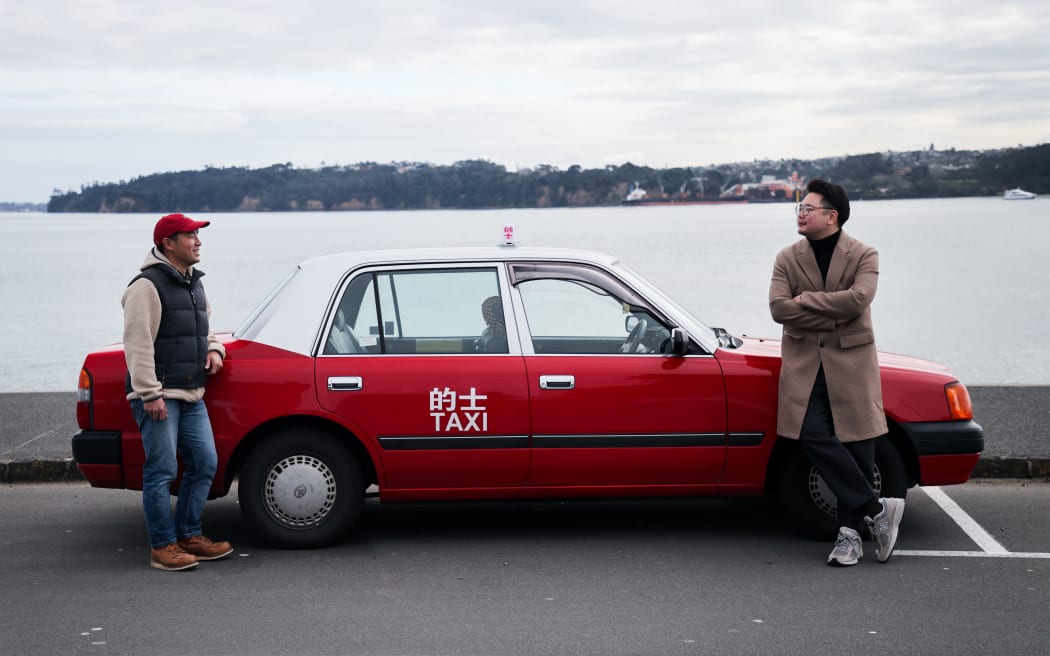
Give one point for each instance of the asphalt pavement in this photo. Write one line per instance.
(675, 577)
(36, 429)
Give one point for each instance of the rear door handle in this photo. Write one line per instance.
(345, 383)
(558, 382)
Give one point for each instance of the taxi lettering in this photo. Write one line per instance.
(455, 411)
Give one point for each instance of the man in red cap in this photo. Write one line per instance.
(170, 353)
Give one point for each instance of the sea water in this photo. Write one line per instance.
(962, 281)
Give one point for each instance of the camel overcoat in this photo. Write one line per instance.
(831, 326)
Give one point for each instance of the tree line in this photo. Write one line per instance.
(476, 184)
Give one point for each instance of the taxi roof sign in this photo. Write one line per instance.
(508, 236)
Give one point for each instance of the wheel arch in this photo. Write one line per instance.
(262, 432)
(897, 437)
(906, 448)
(783, 447)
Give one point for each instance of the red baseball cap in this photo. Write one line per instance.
(172, 223)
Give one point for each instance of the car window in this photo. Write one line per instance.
(420, 311)
(246, 325)
(572, 316)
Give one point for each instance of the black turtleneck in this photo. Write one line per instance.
(823, 249)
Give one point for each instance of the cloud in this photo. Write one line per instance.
(109, 89)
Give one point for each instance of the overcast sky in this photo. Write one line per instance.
(109, 90)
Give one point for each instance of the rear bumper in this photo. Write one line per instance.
(91, 447)
(99, 457)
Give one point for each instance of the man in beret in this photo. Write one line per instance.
(830, 393)
(170, 354)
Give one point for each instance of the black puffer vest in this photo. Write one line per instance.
(181, 348)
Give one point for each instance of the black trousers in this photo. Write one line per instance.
(847, 467)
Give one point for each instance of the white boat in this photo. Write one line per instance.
(1018, 194)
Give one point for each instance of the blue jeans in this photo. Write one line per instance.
(186, 431)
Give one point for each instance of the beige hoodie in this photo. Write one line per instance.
(142, 311)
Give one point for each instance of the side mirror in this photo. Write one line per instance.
(679, 341)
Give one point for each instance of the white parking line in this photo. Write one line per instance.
(970, 554)
(981, 537)
(989, 545)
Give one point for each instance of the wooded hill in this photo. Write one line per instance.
(476, 184)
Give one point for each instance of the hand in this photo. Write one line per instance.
(213, 364)
(157, 409)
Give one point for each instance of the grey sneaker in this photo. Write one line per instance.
(848, 550)
(884, 526)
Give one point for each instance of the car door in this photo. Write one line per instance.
(411, 360)
(610, 405)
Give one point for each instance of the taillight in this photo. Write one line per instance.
(959, 405)
(84, 387)
(84, 399)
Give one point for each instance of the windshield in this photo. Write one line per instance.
(696, 328)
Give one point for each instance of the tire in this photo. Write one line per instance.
(301, 489)
(808, 502)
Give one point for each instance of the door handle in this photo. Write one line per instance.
(558, 382)
(345, 383)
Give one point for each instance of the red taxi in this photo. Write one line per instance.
(504, 373)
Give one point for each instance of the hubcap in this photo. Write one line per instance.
(824, 499)
(300, 491)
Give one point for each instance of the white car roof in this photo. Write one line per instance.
(292, 316)
(356, 259)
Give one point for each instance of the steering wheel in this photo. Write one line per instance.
(630, 345)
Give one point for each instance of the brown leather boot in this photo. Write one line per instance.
(171, 558)
(205, 549)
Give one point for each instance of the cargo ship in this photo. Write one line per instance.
(639, 196)
(768, 190)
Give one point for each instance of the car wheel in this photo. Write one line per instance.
(808, 501)
(300, 489)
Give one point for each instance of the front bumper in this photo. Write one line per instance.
(940, 438)
(947, 450)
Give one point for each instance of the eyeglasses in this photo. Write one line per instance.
(804, 210)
